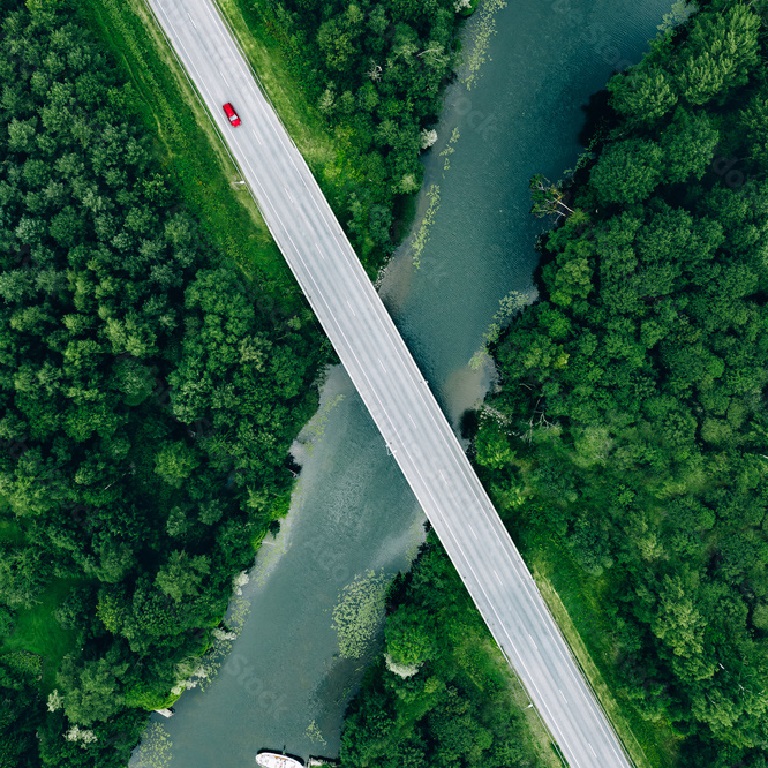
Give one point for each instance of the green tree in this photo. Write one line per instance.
(628, 171)
(409, 636)
(720, 52)
(645, 94)
(182, 576)
(689, 145)
(93, 691)
(175, 463)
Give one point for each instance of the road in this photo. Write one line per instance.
(394, 391)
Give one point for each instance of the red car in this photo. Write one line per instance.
(232, 116)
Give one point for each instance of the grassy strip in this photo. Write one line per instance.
(190, 147)
(577, 608)
(36, 631)
(267, 59)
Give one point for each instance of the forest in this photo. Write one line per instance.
(149, 394)
(627, 440)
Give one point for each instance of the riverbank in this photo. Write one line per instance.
(188, 145)
(624, 446)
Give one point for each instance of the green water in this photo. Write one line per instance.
(285, 684)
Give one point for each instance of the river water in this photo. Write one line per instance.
(353, 522)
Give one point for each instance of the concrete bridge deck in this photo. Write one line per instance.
(381, 367)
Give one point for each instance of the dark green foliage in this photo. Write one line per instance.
(457, 710)
(376, 71)
(19, 706)
(627, 171)
(147, 405)
(716, 53)
(632, 422)
(410, 636)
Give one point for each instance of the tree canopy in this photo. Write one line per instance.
(375, 70)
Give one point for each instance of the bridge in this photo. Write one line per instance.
(390, 384)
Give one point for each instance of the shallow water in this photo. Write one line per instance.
(285, 684)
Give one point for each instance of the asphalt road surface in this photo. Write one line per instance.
(393, 389)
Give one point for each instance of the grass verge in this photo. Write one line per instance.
(577, 608)
(189, 145)
(540, 742)
(37, 632)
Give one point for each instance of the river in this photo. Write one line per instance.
(516, 109)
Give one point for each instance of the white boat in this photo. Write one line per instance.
(274, 760)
